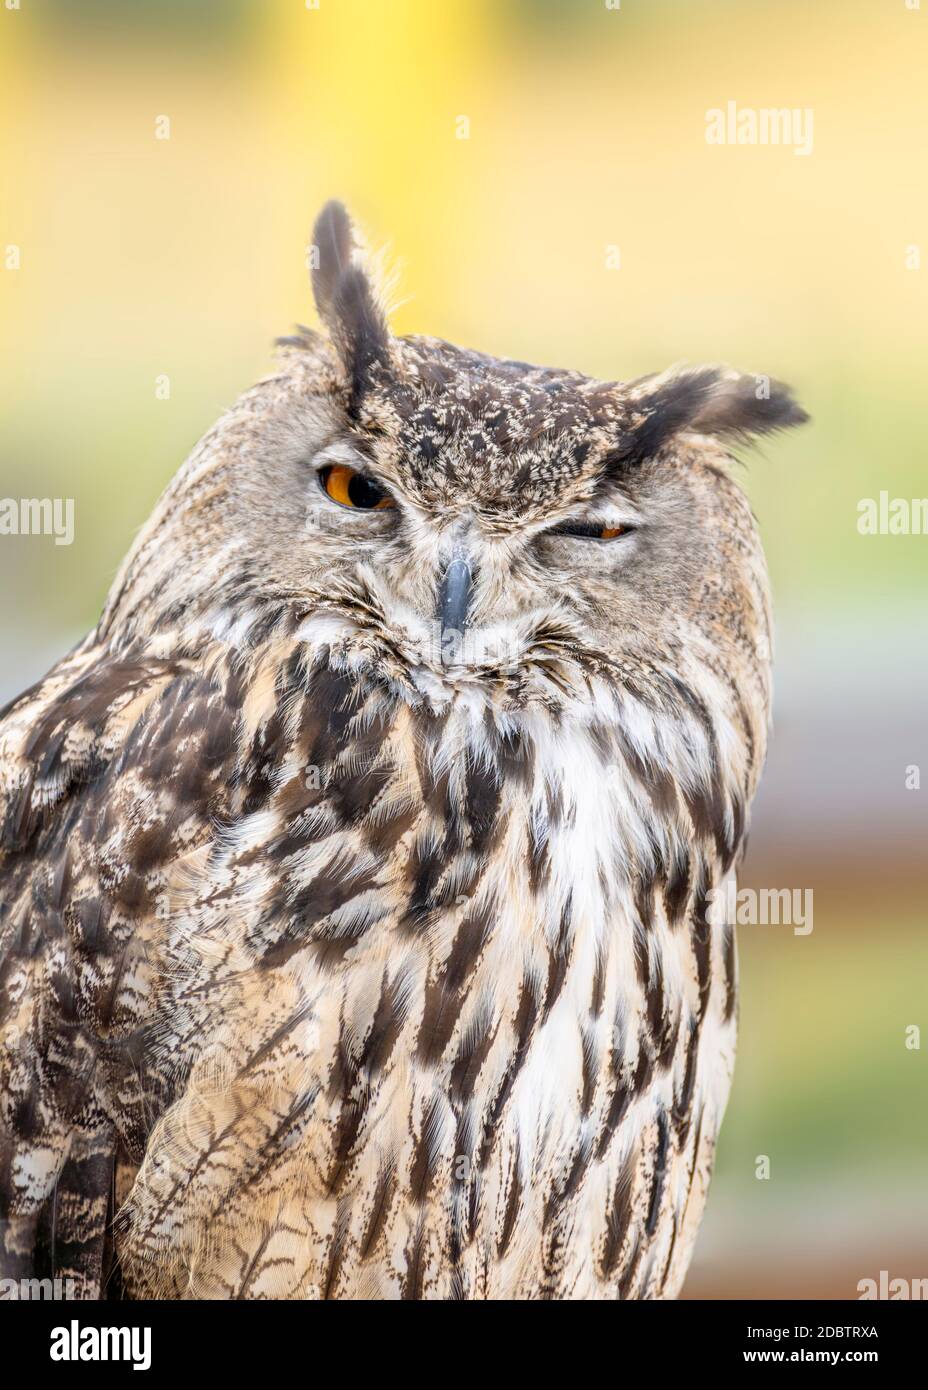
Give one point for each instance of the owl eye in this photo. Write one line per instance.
(591, 532)
(349, 488)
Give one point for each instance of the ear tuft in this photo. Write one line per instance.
(346, 300)
(708, 400)
(745, 405)
(333, 239)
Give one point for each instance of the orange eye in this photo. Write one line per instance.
(350, 488)
(591, 533)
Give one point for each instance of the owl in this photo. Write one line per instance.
(357, 870)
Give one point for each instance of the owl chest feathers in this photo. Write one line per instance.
(451, 1024)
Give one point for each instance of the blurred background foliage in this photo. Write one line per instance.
(186, 256)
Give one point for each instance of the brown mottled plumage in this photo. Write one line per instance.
(350, 952)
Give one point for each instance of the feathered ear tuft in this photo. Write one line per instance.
(346, 300)
(707, 400)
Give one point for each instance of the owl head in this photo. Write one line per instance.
(459, 525)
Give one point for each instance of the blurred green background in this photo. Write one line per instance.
(185, 256)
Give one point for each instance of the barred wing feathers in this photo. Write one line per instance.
(112, 771)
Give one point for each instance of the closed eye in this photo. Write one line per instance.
(590, 531)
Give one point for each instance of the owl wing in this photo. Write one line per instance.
(112, 769)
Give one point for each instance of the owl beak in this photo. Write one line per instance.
(454, 594)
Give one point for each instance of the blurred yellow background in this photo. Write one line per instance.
(141, 257)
